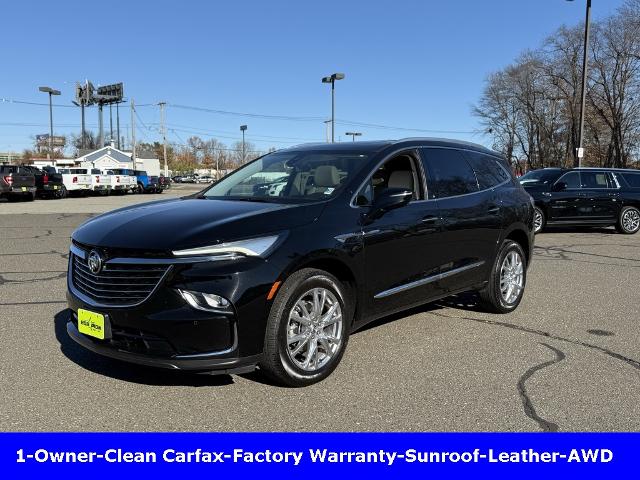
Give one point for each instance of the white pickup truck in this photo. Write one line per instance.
(100, 182)
(75, 182)
(121, 181)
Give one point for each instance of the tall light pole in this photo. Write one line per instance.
(243, 128)
(353, 135)
(585, 61)
(163, 127)
(51, 92)
(332, 80)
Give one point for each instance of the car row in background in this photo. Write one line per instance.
(592, 197)
(26, 182)
(193, 178)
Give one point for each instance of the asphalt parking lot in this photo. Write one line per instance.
(568, 359)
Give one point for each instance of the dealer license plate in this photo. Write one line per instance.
(91, 323)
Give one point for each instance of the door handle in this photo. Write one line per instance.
(493, 210)
(429, 219)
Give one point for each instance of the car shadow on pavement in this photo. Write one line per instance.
(127, 371)
(565, 229)
(469, 301)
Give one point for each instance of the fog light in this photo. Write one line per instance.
(208, 302)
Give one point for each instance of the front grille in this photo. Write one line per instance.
(117, 284)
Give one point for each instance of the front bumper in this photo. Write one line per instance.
(164, 331)
(208, 363)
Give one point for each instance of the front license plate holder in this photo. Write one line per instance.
(94, 324)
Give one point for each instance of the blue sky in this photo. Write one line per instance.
(413, 64)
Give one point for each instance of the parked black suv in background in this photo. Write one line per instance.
(585, 197)
(274, 265)
(48, 182)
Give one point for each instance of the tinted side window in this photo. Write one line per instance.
(594, 180)
(488, 172)
(448, 173)
(572, 179)
(633, 179)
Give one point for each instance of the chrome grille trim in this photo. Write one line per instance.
(117, 285)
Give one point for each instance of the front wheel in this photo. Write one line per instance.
(307, 329)
(508, 278)
(538, 220)
(629, 221)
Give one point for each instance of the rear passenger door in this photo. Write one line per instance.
(470, 215)
(599, 199)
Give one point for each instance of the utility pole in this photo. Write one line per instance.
(118, 122)
(585, 60)
(133, 131)
(327, 123)
(100, 127)
(110, 124)
(163, 127)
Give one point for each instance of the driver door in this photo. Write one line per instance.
(566, 198)
(403, 246)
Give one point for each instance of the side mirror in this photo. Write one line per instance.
(558, 187)
(389, 199)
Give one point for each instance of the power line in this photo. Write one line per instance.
(250, 115)
(40, 104)
(388, 127)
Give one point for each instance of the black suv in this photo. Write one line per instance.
(274, 265)
(585, 197)
(48, 182)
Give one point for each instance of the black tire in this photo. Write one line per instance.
(491, 297)
(140, 188)
(62, 192)
(276, 363)
(628, 221)
(30, 197)
(539, 220)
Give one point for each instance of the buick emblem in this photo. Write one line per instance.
(95, 261)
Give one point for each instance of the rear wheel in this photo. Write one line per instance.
(140, 188)
(629, 221)
(539, 220)
(507, 281)
(307, 329)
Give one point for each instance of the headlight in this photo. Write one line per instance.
(252, 247)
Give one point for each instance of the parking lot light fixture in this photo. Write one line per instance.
(243, 128)
(354, 135)
(51, 92)
(332, 80)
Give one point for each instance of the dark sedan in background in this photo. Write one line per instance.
(585, 197)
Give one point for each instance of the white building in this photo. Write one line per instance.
(109, 157)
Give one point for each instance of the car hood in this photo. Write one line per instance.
(189, 223)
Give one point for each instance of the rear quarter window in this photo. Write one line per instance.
(487, 169)
(633, 179)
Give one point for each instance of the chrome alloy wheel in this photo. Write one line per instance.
(631, 220)
(511, 277)
(314, 330)
(537, 220)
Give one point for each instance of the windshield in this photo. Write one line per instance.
(539, 177)
(290, 177)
